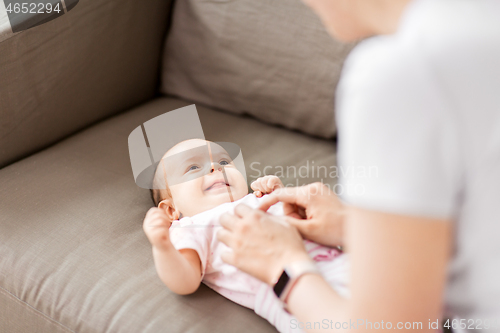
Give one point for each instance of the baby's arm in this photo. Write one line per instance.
(265, 185)
(179, 270)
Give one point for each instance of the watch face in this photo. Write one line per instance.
(281, 284)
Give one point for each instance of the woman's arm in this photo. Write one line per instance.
(179, 270)
(398, 269)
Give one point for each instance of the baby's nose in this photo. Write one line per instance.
(219, 168)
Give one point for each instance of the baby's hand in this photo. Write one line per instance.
(265, 185)
(156, 225)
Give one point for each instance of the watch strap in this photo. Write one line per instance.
(290, 276)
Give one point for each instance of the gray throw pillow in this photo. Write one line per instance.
(271, 59)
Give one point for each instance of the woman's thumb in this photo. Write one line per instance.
(296, 221)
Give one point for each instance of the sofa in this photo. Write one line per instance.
(73, 254)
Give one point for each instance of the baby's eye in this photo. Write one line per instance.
(224, 162)
(192, 167)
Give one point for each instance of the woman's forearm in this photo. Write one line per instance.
(312, 300)
(178, 270)
(398, 267)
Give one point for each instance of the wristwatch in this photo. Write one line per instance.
(290, 276)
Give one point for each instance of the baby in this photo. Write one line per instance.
(198, 189)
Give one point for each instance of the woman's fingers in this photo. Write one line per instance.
(241, 210)
(268, 202)
(294, 212)
(303, 226)
(296, 199)
(228, 257)
(251, 234)
(227, 221)
(225, 237)
(288, 195)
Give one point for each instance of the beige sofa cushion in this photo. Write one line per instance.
(73, 255)
(271, 59)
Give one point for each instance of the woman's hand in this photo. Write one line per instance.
(265, 185)
(314, 210)
(262, 244)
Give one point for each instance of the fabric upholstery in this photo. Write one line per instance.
(271, 59)
(73, 255)
(18, 317)
(100, 58)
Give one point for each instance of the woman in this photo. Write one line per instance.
(420, 102)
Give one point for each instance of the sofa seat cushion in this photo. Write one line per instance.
(73, 255)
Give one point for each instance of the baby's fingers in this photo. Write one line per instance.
(273, 183)
(155, 212)
(156, 218)
(257, 185)
(157, 224)
(157, 233)
(258, 188)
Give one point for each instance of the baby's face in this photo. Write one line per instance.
(195, 177)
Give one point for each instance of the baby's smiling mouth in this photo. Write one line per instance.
(217, 184)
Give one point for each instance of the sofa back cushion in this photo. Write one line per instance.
(100, 58)
(271, 59)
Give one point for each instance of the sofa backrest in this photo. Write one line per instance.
(100, 58)
(271, 59)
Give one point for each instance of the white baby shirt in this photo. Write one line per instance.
(199, 233)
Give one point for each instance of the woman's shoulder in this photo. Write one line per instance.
(382, 80)
(378, 65)
(432, 34)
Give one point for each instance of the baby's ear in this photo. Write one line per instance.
(167, 206)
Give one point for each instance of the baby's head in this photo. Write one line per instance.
(191, 172)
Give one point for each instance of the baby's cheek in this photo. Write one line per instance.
(242, 190)
(240, 180)
(188, 197)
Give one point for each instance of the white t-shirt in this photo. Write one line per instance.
(419, 134)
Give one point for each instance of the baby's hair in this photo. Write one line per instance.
(159, 180)
(156, 197)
